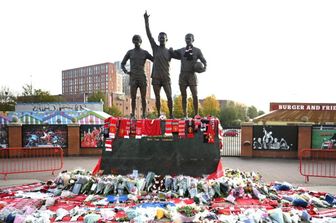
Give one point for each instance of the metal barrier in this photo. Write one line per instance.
(27, 160)
(231, 141)
(318, 163)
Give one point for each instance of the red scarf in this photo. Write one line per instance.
(138, 129)
(181, 128)
(169, 127)
(113, 127)
(175, 124)
(190, 128)
(108, 145)
(211, 131)
(124, 128)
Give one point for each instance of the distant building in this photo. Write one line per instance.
(79, 83)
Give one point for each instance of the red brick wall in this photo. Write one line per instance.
(73, 139)
(14, 135)
(246, 140)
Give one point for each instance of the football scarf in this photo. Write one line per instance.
(211, 131)
(169, 127)
(190, 128)
(188, 53)
(181, 128)
(124, 128)
(133, 128)
(175, 123)
(138, 129)
(220, 135)
(113, 127)
(108, 144)
(197, 123)
(204, 128)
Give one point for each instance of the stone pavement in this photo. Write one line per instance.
(270, 169)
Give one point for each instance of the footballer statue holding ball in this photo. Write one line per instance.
(190, 57)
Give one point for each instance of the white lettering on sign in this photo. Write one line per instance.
(307, 107)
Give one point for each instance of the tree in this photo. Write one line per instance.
(44, 96)
(260, 112)
(211, 106)
(164, 109)
(114, 111)
(177, 108)
(252, 112)
(190, 107)
(7, 99)
(97, 96)
(35, 96)
(27, 90)
(232, 114)
(241, 110)
(228, 115)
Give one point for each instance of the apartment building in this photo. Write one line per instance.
(79, 83)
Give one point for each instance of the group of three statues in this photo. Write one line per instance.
(161, 58)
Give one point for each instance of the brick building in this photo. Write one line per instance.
(79, 83)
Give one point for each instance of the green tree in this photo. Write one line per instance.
(164, 109)
(260, 112)
(227, 115)
(232, 114)
(190, 107)
(27, 90)
(113, 110)
(211, 106)
(241, 110)
(97, 96)
(252, 112)
(44, 96)
(7, 99)
(177, 107)
(35, 96)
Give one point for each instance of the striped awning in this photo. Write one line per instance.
(91, 119)
(28, 119)
(3, 120)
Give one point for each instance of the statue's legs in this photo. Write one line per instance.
(193, 89)
(157, 89)
(168, 91)
(183, 89)
(133, 97)
(143, 90)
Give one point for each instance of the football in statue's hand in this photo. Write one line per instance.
(198, 67)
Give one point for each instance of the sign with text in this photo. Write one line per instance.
(302, 106)
(54, 106)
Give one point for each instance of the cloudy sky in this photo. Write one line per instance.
(257, 51)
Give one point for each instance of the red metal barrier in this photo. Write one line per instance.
(27, 160)
(318, 163)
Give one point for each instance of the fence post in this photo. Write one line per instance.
(246, 139)
(304, 137)
(14, 135)
(73, 140)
